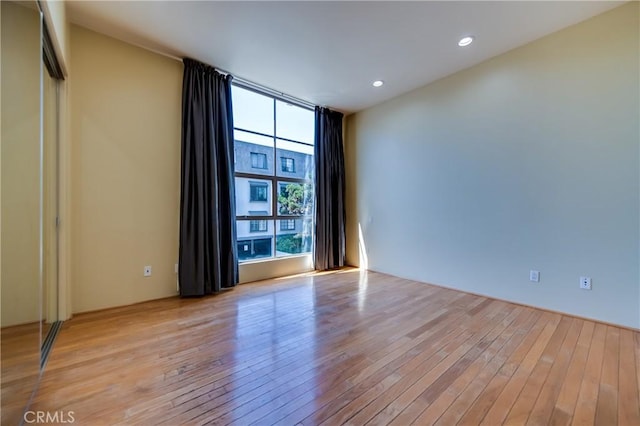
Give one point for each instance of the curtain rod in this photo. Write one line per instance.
(248, 84)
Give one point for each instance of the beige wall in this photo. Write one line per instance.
(20, 164)
(125, 171)
(527, 161)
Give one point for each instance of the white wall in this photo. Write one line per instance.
(527, 161)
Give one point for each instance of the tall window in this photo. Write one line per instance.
(273, 145)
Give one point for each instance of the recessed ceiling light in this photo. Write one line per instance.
(378, 83)
(465, 41)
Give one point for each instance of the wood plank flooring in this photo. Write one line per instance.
(20, 355)
(348, 347)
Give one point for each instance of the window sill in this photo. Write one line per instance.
(262, 269)
(272, 259)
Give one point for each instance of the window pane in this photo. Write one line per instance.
(294, 236)
(253, 197)
(293, 122)
(295, 198)
(294, 160)
(252, 111)
(252, 138)
(255, 239)
(245, 228)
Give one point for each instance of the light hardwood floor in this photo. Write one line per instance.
(341, 348)
(20, 362)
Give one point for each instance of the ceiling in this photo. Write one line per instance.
(329, 52)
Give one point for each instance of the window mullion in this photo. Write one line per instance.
(274, 184)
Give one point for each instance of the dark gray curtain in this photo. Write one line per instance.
(208, 253)
(329, 250)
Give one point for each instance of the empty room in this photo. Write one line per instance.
(320, 212)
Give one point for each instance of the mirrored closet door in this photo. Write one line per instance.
(21, 284)
(50, 197)
(29, 143)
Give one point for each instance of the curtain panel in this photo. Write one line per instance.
(329, 250)
(207, 253)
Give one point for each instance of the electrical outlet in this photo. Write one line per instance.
(147, 271)
(534, 276)
(585, 283)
